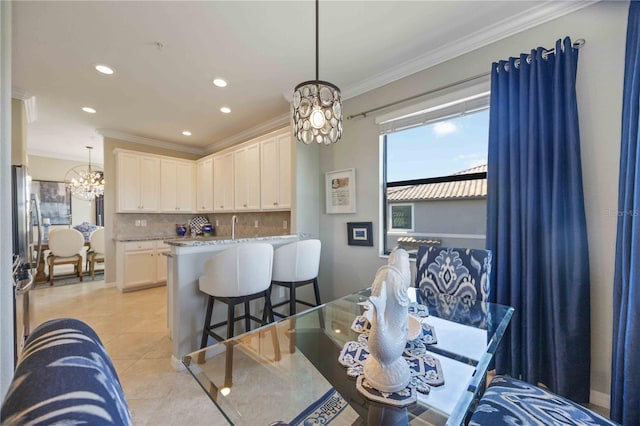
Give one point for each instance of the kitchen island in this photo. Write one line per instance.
(186, 304)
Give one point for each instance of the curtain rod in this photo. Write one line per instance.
(577, 44)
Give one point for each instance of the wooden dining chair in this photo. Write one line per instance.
(96, 250)
(65, 246)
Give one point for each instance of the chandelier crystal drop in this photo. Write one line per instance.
(85, 182)
(317, 108)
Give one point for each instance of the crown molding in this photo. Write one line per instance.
(245, 135)
(537, 15)
(80, 157)
(29, 103)
(18, 93)
(116, 134)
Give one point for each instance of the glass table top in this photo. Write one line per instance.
(278, 373)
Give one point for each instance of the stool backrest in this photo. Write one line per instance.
(297, 261)
(66, 242)
(97, 240)
(239, 271)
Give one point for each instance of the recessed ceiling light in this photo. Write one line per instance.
(104, 69)
(226, 110)
(186, 133)
(89, 110)
(219, 82)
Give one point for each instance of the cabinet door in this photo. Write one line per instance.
(185, 187)
(128, 182)
(168, 186)
(139, 268)
(161, 265)
(149, 184)
(275, 172)
(204, 185)
(247, 178)
(223, 183)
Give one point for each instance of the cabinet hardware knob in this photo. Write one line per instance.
(244, 205)
(275, 204)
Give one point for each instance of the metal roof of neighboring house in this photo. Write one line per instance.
(476, 188)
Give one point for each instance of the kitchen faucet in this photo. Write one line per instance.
(234, 220)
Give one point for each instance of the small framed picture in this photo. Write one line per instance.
(340, 191)
(359, 233)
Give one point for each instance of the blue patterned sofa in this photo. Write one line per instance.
(64, 376)
(510, 402)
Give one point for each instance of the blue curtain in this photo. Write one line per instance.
(625, 369)
(536, 223)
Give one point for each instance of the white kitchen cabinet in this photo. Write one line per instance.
(204, 185)
(247, 178)
(275, 172)
(223, 183)
(177, 182)
(161, 261)
(140, 264)
(138, 183)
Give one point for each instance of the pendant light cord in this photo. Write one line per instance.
(317, 38)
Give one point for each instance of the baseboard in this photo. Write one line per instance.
(600, 399)
(109, 285)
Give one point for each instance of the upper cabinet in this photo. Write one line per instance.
(253, 176)
(177, 181)
(223, 183)
(275, 172)
(247, 183)
(138, 183)
(204, 185)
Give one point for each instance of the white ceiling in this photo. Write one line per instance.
(262, 48)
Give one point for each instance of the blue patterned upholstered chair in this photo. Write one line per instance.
(510, 401)
(451, 281)
(64, 377)
(460, 272)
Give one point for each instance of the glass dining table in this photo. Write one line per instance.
(287, 373)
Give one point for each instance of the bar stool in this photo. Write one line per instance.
(237, 276)
(296, 265)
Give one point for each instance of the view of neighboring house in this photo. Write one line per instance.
(451, 214)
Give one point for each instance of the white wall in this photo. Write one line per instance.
(54, 169)
(345, 269)
(6, 247)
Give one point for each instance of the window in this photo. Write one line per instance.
(401, 217)
(434, 168)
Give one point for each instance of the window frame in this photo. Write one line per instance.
(386, 229)
(390, 215)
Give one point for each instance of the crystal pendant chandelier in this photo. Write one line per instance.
(317, 108)
(85, 182)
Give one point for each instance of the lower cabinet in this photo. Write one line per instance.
(141, 264)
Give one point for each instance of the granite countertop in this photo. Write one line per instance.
(125, 238)
(206, 241)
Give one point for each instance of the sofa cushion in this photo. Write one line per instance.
(64, 376)
(510, 402)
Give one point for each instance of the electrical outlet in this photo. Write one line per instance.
(284, 224)
(137, 222)
(255, 224)
(280, 292)
(217, 222)
(143, 222)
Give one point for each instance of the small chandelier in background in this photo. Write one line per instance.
(85, 182)
(317, 108)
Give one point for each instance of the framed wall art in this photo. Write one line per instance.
(359, 233)
(340, 190)
(55, 201)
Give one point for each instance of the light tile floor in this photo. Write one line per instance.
(133, 328)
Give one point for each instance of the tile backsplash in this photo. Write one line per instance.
(164, 225)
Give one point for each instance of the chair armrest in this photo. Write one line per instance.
(65, 376)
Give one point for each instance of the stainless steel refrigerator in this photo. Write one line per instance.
(27, 249)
